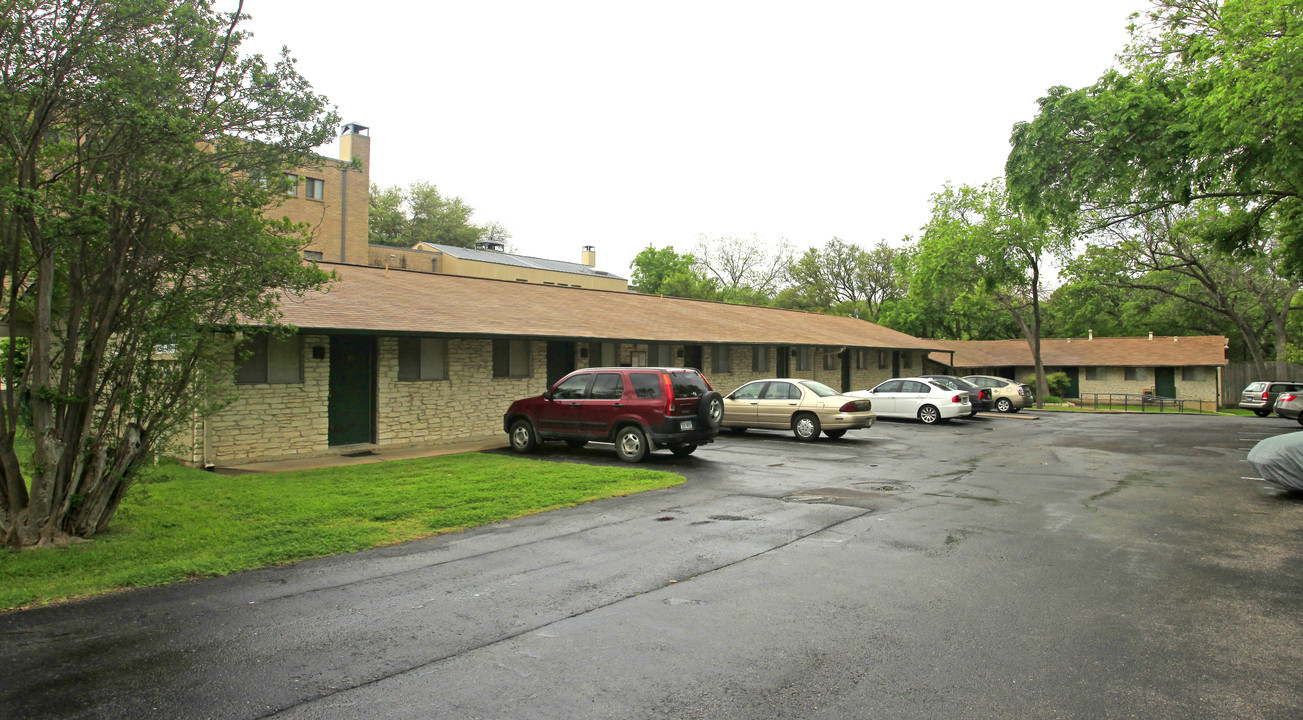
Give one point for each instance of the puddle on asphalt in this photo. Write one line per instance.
(863, 495)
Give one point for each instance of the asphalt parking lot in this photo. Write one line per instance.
(1072, 566)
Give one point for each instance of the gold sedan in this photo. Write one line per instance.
(805, 407)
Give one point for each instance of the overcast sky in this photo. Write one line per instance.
(623, 125)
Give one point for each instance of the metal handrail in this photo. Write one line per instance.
(1129, 402)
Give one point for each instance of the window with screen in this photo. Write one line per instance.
(262, 358)
(719, 359)
(511, 358)
(422, 358)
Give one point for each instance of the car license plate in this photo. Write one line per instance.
(686, 425)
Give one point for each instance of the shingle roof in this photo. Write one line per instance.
(1161, 351)
(370, 299)
(501, 258)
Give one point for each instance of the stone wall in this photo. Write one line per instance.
(1113, 380)
(470, 403)
(279, 421)
(272, 420)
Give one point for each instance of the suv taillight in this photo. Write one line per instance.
(1264, 396)
(667, 388)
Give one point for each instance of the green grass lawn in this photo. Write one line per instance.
(179, 523)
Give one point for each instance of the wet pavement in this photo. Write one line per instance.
(1078, 566)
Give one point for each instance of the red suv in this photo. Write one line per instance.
(639, 409)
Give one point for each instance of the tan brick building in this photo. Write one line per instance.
(1185, 368)
(393, 358)
(430, 345)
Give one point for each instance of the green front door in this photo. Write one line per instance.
(560, 360)
(1165, 382)
(1074, 382)
(351, 406)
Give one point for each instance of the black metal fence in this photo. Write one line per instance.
(1128, 402)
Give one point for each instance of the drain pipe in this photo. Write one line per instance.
(343, 211)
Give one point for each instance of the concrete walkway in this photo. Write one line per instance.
(363, 454)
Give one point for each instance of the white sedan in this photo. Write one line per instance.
(917, 398)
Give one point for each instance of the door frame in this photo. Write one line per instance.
(371, 389)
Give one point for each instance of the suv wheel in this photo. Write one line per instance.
(1003, 405)
(631, 444)
(805, 427)
(710, 410)
(522, 437)
(1262, 413)
(683, 450)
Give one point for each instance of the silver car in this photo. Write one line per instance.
(1289, 404)
(1261, 396)
(919, 398)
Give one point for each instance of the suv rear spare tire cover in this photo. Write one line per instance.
(710, 410)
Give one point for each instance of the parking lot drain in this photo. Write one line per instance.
(664, 518)
(730, 517)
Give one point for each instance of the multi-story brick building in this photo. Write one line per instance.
(389, 357)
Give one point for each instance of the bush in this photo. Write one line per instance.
(1058, 382)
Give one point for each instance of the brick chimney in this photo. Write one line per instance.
(355, 193)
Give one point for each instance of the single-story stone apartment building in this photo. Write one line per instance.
(1186, 368)
(388, 358)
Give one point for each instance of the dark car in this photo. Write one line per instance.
(637, 408)
(980, 396)
(1260, 397)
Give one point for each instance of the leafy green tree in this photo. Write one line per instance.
(844, 277)
(420, 213)
(388, 222)
(978, 245)
(666, 272)
(1165, 252)
(1206, 107)
(134, 137)
(439, 219)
